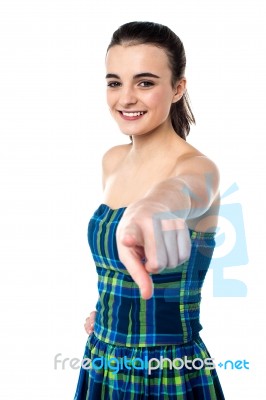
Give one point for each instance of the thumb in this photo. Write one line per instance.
(131, 236)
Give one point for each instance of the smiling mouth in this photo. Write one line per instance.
(132, 114)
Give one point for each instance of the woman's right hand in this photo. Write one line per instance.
(89, 323)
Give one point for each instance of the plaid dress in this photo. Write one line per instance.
(146, 349)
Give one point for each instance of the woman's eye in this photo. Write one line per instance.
(113, 84)
(146, 84)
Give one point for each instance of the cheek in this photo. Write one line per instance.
(162, 99)
(110, 98)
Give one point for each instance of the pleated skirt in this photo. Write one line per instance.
(175, 372)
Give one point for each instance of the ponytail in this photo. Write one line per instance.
(182, 116)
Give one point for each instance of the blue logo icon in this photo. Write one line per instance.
(231, 249)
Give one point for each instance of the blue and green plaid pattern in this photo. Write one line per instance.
(166, 325)
(171, 316)
(139, 384)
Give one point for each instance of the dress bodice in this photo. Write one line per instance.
(123, 318)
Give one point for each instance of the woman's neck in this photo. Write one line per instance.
(153, 143)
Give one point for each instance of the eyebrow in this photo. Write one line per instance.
(141, 75)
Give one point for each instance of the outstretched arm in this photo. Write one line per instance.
(154, 228)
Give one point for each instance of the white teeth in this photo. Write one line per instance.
(132, 114)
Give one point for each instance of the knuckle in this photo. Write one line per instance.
(182, 260)
(172, 265)
(154, 267)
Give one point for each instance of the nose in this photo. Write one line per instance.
(127, 96)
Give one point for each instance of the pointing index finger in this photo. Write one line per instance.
(137, 271)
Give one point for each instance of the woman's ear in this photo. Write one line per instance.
(179, 89)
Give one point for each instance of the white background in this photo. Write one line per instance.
(54, 128)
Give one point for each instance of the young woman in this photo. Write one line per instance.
(153, 236)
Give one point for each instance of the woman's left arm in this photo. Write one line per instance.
(191, 192)
(154, 228)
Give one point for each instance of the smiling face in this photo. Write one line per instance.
(139, 89)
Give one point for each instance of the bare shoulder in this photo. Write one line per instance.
(112, 158)
(192, 160)
(197, 168)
